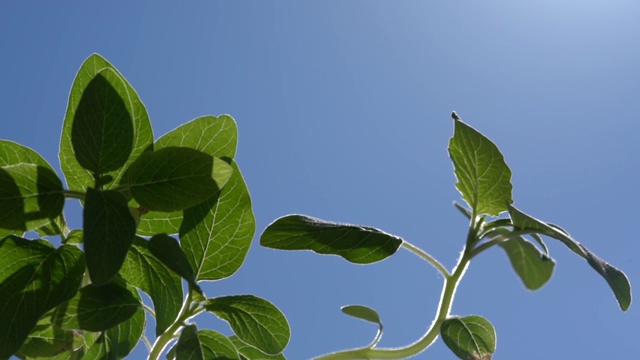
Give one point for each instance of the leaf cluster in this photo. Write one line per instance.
(159, 217)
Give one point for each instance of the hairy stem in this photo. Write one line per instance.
(427, 257)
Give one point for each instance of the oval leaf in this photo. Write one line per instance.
(79, 178)
(216, 235)
(357, 244)
(98, 308)
(102, 130)
(169, 252)
(484, 179)
(30, 196)
(248, 352)
(470, 337)
(617, 280)
(363, 313)
(176, 178)
(204, 345)
(255, 321)
(108, 230)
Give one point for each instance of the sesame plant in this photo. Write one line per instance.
(484, 181)
(160, 216)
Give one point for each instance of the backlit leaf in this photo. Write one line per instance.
(176, 178)
(532, 266)
(168, 251)
(204, 345)
(470, 337)
(79, 178)
(108, 230)
(216, 235)
(357, 244)
(484, 179)
(617, 280)
(248, 352)
(255, 321)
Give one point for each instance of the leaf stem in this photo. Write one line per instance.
(499, 239)
(169, 334)
(72, 194)
(427, 257)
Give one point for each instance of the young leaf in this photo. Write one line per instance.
(617, 280)
(532, 266)
(24, 266)
(470, 337)
(79, 178)
(248, 352)
(102, 131)
(168, 251)
(214, 136)
(176, 178)
(357, 244)
(30, 196)
(484, 179)
(366, 314)
(204, 345)
(98, 308)
(255, 321)
(216, 235)
(144, 271)
(109, 230)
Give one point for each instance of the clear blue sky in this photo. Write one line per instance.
(343, 113)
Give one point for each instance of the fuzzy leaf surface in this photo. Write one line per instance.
(484, 179)
(255, 321)
(617, 280)
(357, 244)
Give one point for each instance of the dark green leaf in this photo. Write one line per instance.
(214, 136)
(98, 308)
(79, 178)
(204, 345)
(255, 321)
(532, 266)
(169, 252)
(176, 178)
(101, 349)
(57, 226)
(34, 278)
(144, 271)
(216, 235)
(30, 196)
(109, 230)
(357, 244)
(46, 339)
(484, 179)
(125, 336)
(248, 352)
(363, 313)
(102, 130)
(616, 279)
(470, 337)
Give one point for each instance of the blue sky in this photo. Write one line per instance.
(343, 113)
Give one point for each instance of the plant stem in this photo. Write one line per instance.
(72, 194)
(446, 299)
(426, 256)
(499, 239)
(163, 340)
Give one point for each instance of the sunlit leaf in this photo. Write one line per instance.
(79, 178)
(255, 321)
(204, 345)
(484, 179)
(46, 339)
(108, 230)
(367, 314)
(357, 244)
(248, 352)
(216, 235)
(617, 280)
(168, 251)
(470, 337)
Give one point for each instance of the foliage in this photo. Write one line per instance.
(484, 181)
(80, 297)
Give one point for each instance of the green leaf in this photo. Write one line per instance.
(255, 321)
(102, 130)
(144, 271)
(248, 352)
(484, 179)
(30, 196)
(57, 226)
(367, 314)
(98, 308)
(216, 235)
(75, 237)
(109, 230)
(617, 280)
(34, 278)
(204, 345)
(357, 244)
(169, 252)
(101, 349)
(79, 178)
(470, 337)
(176, 178)
(46, 339)
(532, 266)
(125, 336)
(214, 136)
